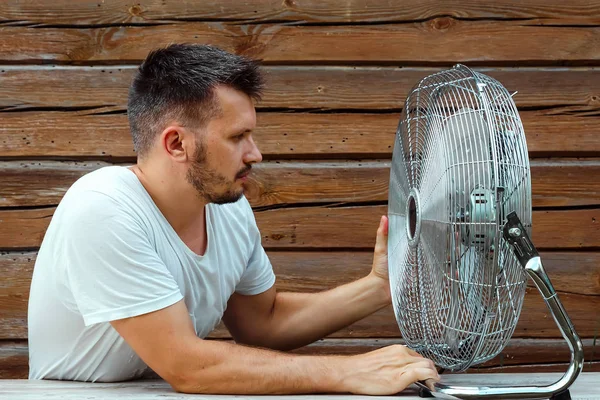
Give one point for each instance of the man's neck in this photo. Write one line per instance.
(182, 207)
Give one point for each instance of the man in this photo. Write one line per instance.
(140, 263)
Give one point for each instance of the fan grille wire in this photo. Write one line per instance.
(457, 287)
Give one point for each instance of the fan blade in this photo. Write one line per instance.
(433, 172)
(399, 180)
(466, 143)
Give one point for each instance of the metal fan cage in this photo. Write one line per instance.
(460, 165)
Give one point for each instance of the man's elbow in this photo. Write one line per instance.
(188, 372)
(182, 385)
(179, 379)
(187, 380)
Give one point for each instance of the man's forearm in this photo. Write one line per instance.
(301, 318)
(224, 368)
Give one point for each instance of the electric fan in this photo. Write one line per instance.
(459, 226)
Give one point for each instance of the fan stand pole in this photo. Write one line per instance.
(526, 253)
(529, 258)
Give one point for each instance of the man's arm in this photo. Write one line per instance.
(166, 341)
(286, 321)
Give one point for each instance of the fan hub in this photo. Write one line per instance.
(413, 220)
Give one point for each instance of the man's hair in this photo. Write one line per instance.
(177, 83)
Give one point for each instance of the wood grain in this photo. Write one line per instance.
(271, 183)
(354, 227)
(90, 12)
(14, 359)
(439, 40)
(329, 227)
(298, 87)
(576, 277)
(564, 182)
(279, 135)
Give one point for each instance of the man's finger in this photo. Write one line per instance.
(383, 225)
(382, 234)
(413, 353)
(417, 374)
(424, 363)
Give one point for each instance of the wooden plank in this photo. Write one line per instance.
(291, 135)
(545, 134)
(90, 12)
(576, 277)
(47, 180)
(272, 183)
(564, 182)
(518, 354)
(554, 183)
(14, 359)
(354, 227)
(30, 229)
(329, 227)
(297, 87)
(441, 40)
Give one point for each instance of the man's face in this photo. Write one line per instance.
(225, 151)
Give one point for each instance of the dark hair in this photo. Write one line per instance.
(178, 81)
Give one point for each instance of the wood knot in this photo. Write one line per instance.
(250, 46)
(136, 10)
(277, 236)
(442, 24)
(288, 3)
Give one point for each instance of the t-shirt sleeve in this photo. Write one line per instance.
(258, 276)
(113, 270)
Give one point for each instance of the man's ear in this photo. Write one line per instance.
(177, 142)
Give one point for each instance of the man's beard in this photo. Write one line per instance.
(207, 182)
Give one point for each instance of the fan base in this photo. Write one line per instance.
(561, 396)
(564, 395)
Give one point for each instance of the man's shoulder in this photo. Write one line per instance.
(103, 178)
(110, 181)
(102, 190)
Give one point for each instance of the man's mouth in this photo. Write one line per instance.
(243, 174)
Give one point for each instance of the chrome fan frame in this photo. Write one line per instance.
(459, 256)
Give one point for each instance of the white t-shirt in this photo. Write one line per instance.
(109, 254)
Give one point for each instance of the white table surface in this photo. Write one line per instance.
(587, 387)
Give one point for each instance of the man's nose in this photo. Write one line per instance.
(253, 155)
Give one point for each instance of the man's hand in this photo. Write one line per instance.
(380, 256)
(385, 371)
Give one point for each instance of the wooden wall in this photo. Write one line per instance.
(338, 73)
